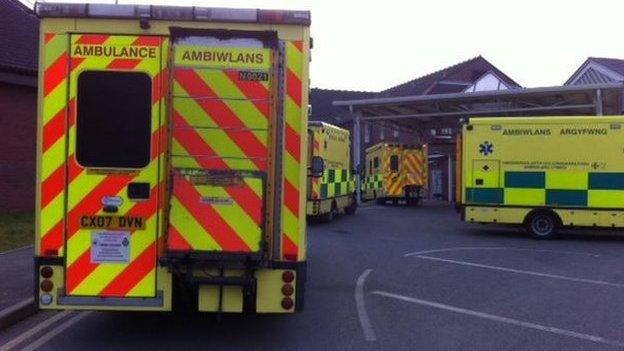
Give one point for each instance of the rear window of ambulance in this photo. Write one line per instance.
(113, 119)
(394, 163)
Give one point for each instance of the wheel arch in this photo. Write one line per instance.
(543, 210)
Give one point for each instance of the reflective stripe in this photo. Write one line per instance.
(336, 182)
(86, 189)
(294, 120)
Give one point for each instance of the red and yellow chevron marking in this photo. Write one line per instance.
(220, 123)
(296, 121)
(53, 124)
(316, 181)
(414, 167)
(212, 105)
(392, 181)
(57, 117)
(199, 223)
(86, 190)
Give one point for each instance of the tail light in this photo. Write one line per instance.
(46, 285)
(287, 303)
(47, 272)
(288, 276)
(288, 290)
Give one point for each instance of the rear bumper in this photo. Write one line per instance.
(58, 299)
(228, 288)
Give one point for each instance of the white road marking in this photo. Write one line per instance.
(15, 250)
(369, 333)
(497, 248)
(33, 331)
(17, 306)
(500, 319)
(56, 331)
(367, 207)
(519, 271)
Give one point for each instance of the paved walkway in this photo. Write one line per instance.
(16, 276)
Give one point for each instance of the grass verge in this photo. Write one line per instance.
(16, 230)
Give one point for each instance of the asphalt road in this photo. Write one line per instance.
(16, 272)
(394, 278)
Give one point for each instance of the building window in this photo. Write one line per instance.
(113, 135)
(382, 132)
(366, 133)
(395, 132)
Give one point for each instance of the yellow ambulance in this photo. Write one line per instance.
(171, 152)
(331, 181)
(395, 172)
(543, 172)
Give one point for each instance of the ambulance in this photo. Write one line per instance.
(171, 158)
(395, 172)
(331, 181)
(544, 173)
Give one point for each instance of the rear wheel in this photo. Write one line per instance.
(350, 210)
(329, 216)
(412, 196)
(543, 225)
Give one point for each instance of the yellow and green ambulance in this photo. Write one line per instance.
(331, 181)
(543, 172)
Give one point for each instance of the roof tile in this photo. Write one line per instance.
(19, 32)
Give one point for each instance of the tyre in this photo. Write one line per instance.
(543, 225)
(329, 216)
(350, 210)
(380, 201)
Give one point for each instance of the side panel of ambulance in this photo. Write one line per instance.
(331, 180)
(160, 130)
(372, 179)
(544, 172)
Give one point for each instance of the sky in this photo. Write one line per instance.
(373, 45)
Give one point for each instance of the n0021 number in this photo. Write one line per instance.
(253, 76)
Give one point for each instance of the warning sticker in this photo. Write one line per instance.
(110, 247)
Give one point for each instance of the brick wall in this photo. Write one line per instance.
(18, 106)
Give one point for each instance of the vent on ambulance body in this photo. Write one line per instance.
(178, 13)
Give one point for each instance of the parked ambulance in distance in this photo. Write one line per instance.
(395, 172)
(543, 172)
(331, 187)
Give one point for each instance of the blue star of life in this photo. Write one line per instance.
(486, 148)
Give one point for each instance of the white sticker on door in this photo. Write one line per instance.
(110, 247)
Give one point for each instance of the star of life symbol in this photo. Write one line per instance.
(486, 148)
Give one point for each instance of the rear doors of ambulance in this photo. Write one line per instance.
(113, 160)
(221, 120)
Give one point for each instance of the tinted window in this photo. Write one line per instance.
(114, 119)
(376, 160)
(394, 163)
